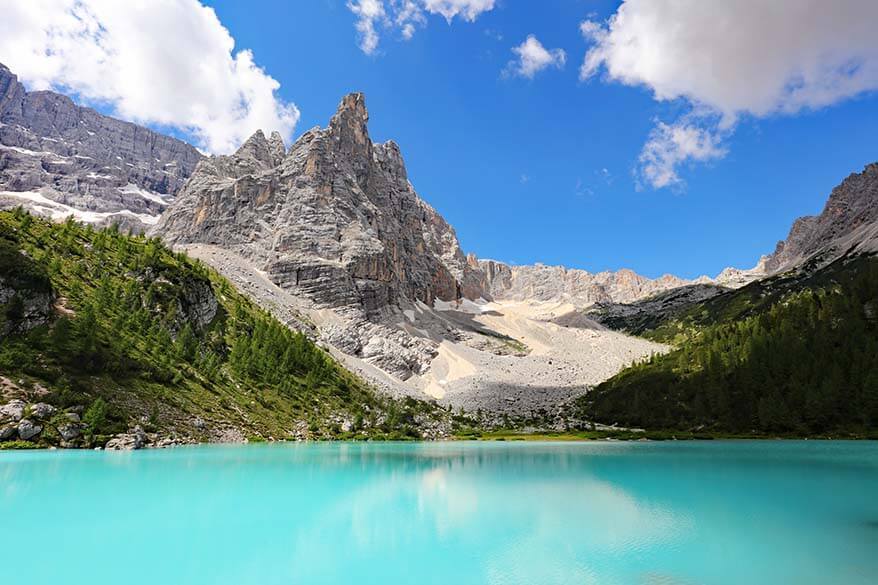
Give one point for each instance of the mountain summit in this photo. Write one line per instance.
(848, 223)
(334, 219)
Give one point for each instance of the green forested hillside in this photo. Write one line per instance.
(795, 356)
(154, 338)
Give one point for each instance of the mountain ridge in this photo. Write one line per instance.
(331, 236)
(59, 159)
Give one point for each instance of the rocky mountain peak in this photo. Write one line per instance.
(260, 151)
(11, 94)
(351, 112)
(852, 208)
(349, 133)
(337, 223)
(277, 147)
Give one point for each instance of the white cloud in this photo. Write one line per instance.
(746, 57)
(466, 9)
(533, 57)
(370, 14)
(670, 145)
(406, 16)
(166, 62)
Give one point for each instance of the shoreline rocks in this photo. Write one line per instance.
(136, 439)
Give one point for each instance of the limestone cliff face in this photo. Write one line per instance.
(847, 223)
(335, 217)
(546, 283)
(58, 159)
(335, 220)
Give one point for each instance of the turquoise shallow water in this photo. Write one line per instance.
(451, 513)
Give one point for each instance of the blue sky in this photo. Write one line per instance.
(549, 169)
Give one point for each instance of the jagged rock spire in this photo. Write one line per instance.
(349, 133)
(276, 145)
(257, 148)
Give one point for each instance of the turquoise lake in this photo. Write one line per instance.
(605, 513)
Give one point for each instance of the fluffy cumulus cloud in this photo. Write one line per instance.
(670, 145)
(733, 59)
(165, 62)
(406, 16)
(531, 57)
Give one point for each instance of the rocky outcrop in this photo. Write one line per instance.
(334, 220)
(59, 159)
(13, 411)
(26, 295)
(30, 422)
(136, 439)
(848, 223)
(27, 429)
(196, 304)
(23, 309)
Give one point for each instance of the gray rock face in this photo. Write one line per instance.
(848, 222)
(12, 411)
(35, 306)
(70, 431)
(27, 430)
(582, 288)
(197, 306)
(334, 220)
(336, 217)
(41, 410)
(136, 439)
(57, 159)
(8, 432)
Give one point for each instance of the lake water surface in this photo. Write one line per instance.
(452, 513)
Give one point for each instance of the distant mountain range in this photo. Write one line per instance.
(331, 237)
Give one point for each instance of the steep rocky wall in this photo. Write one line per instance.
(58, 159)
(545, 283)
(335, 220)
